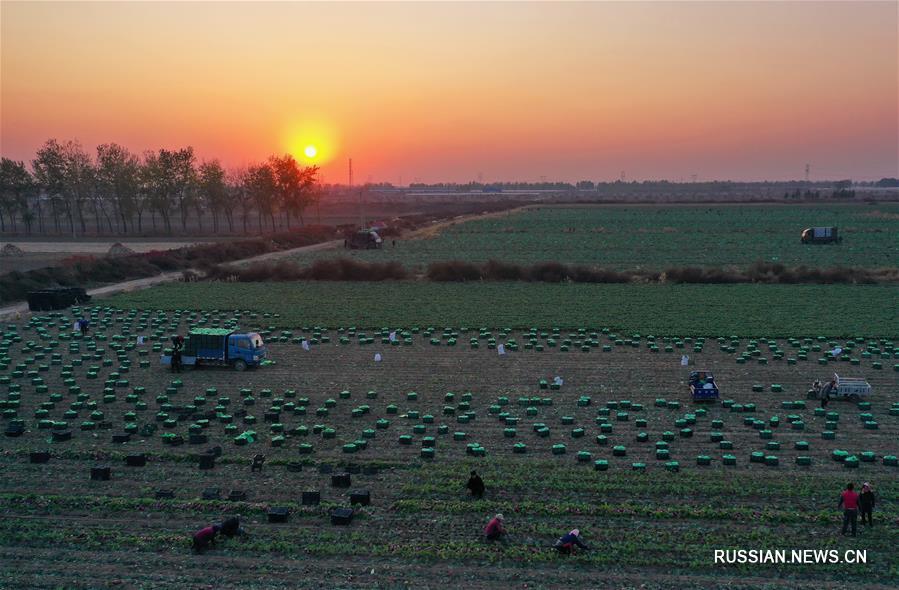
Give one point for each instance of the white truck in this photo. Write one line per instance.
(850, 388)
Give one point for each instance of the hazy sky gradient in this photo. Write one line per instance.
(437, 91)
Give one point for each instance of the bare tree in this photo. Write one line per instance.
(16, 186)
(79, 183)
(118, 183)
(294, 185)
(49, 168)
(212, 189)
(240, 187)
(263, 189)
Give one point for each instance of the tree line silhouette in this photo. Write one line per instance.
(66, 190)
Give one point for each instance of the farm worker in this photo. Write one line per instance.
(494, 531)
(500, 349)
(567, 543)
(558, 381)
(866, 502)
(305, 344)
(825, 393)
(476, 485)
(392, 336)
(205, 537)
(85, 325)
(176, 357)
(684, 360)
(377, 357)
(849, 503)
(231, 527)
(816, 388)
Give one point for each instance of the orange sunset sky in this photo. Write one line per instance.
(447, 91)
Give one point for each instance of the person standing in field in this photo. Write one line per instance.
(476, 485)
(866, 503)
(495, 531)
(177, 345)
(849, 503)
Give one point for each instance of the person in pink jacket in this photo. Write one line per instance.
(205, 537)
(495, 531)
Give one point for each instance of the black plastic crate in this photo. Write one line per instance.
(39, 456)
(165, 494)
(121, 438)
(341, 516)
(361, 497)
(237, 496)
(197, 439)
(62, 435)
(137, 460)
(14, 430)
(207, 461)
(312, 498)
(341, 480)
(101, 473)
(278, 514)
(212, 494)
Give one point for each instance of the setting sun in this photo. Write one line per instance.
(310, 151)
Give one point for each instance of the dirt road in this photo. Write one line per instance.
(418, 234)
(18, 309)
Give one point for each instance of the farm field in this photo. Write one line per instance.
(615, 451)
(704, 310)
(658, 237)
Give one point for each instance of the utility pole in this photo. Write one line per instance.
(806, 173)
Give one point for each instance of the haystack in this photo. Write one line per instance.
(11, 250)
(119, 249)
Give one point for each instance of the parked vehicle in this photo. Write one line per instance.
(220, 347)
(847, 388)
(703, 387)
(366, 239)
(820, 235)
(60, 298)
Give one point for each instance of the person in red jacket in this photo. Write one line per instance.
(849, 503)
(495, 531)
(205, 537)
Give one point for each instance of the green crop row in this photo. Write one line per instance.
(683, 310)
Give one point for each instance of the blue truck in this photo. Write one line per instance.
(220, 347)
(703, 387)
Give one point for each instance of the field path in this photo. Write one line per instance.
(434, 229)
(12, 311)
